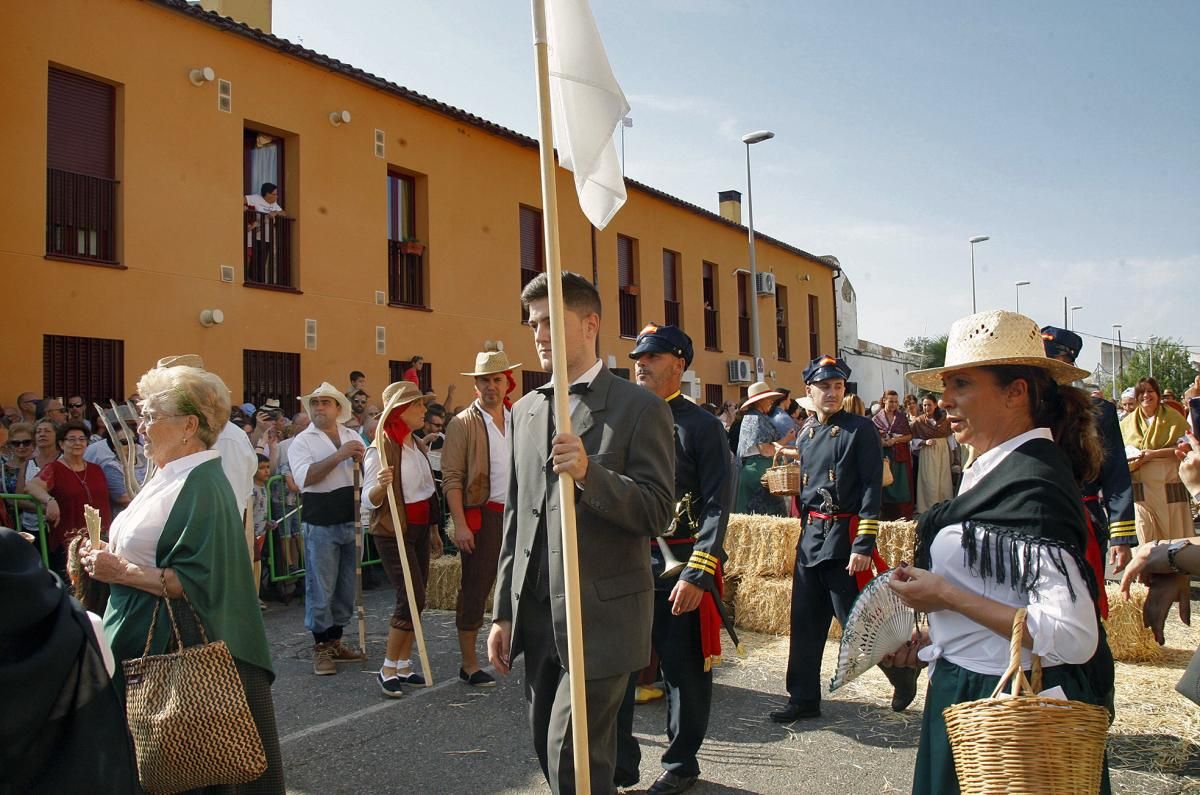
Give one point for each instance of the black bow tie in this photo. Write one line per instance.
(575, 389)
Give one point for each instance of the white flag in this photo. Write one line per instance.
(586, 104)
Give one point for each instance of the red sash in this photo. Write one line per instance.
(475, 515)
(1094, 559)
(417, 512)
(710, 623)
(865, 576)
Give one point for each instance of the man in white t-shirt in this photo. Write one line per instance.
(265, 205)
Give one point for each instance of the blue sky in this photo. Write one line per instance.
(1069, 132)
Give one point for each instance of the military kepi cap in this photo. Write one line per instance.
(825, 367)
(1060, 342)
(663, 339)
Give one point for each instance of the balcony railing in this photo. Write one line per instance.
(781, 343)
(269, 249)
(406, 274)
(629, 314)
(81, 216)
(672, 312)
(712, 330)
(744, 335)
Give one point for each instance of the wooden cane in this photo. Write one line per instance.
(408, 582)
(359, 543)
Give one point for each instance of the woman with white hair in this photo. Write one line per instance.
(182, 536)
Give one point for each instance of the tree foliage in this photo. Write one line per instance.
(1173, 367)
(933, 349)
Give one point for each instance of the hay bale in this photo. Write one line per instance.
(445, 579)
(764, 604)
(761, 546)
(897, 541)
(1128, 639)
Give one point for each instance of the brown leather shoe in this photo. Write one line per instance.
(323, 664)
(343, 653)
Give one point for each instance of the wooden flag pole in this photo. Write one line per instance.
(562, 414)
(408, 583)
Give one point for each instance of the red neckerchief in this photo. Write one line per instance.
(395, 427)
(512, 384)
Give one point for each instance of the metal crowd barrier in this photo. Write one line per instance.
(15, 500)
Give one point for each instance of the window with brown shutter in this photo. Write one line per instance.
(627, 284)
(396, 370)
(533, 248)
(87, 366)
(712, 327)
(781, 323)
(814, 324)
(671, 287)
(743, 301)
(532, 379)
(81, 187)
(406, 254)
(271, 374)
(714, 394)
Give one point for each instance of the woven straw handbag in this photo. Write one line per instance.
(888, 477)
(1026, 744)
(188, 715)
(782, 480)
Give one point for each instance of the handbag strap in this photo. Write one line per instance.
(1014, 673)
(164, 599)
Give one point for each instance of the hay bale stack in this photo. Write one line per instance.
(764, 604)
(761, 546)
(897, 541)
(1128, 639)
(445, 576)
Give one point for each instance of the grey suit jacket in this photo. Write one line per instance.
(628, 434)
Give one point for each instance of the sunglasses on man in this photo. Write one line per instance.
(75, 405)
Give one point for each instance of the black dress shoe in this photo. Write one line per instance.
(793, 712)
(904, 680)
(669, 784)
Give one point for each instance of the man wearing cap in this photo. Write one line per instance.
(1109, 498)
(687, 626)
(619, 454)
(323, 458)
(475, 462)
(841, 490)
(238, 459)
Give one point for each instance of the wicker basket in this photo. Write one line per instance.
(782, 480)
(1026, 744)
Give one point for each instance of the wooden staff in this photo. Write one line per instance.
(408, 583)
(359, 543)
(562, 412)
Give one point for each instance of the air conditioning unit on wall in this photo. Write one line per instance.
(740, 371)
(765, 284)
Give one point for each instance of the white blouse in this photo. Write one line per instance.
(135, 531)
(1063, 631)
(415, 473)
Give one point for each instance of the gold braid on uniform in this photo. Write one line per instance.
(1125, 528)
(703, 561)
(868, 527)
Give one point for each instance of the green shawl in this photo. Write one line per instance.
(205, 545)
(1167, 427)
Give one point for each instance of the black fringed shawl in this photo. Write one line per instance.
(1029, 498)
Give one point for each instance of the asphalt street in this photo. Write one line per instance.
(339, 734)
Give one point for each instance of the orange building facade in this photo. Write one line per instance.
(135, 130)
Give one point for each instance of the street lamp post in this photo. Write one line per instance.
(1020, 284)
(749, 139)
(1071, 325)
(1116, 352)
(973, 241)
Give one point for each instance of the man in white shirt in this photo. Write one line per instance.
(323, 459)
(265, 205)
(475, 463)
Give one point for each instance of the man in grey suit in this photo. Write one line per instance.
(621, 455)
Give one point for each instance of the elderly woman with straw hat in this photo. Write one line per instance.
(1014, 537)
(409, 474)
(758, 442)
(181, 536)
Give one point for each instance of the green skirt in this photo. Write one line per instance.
(951, 684)
(752, 496)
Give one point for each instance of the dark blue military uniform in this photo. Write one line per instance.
(1109, 498)
(704, 488)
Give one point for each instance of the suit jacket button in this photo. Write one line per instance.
(527, 553)
(536, 512)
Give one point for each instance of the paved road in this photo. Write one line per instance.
(340, 735)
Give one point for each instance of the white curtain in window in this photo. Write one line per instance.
(264, 167)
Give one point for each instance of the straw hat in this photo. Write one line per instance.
(395, 396)
(182, 360)
(491, 360)
(807, 404)
(995, 338)
(328, 390)
(759, 390)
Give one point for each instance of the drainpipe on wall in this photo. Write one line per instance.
(837, 271)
